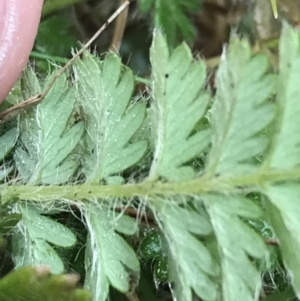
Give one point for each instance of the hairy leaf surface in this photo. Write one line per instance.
(104, 91)
(31, 241)
(286, 139)
(109, 258)
(283, 212)
(284, 205)
(191, 265)
(47, 140)
(179, 103)
(236, 241)
(241, 110)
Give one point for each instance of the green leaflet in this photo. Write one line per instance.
(35, 284)
(241, 110)
(109, 258)
(283, 212)
(151, 246)
(283, 208)
(104, 91)
(8, 221)
(171, 16)
(285, 141)
(145, 5)
(47, 139)
(191, 266)
(31, 242)
(236, 241)
(179, 103)
(286, 295)
(7, 142)
(151, 249)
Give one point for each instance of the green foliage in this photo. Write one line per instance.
(109, 259)
(51, 6)
(31, 243)
(189, 270)
(47, 139)
(109, 119)
(248, 144)
(171, 16)
(249, 110)
(283, 198)
(7, 141)
(174, 143)
(110, 122)
(54, 40)
(34, 284)
(54, 37)
(8, 221)
(151, 248)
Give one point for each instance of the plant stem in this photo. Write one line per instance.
(147, 189)
(47, 57)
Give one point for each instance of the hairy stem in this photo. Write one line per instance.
(147, 189)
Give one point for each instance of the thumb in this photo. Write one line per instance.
(19, 21)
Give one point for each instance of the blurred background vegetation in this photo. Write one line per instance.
(204, 24)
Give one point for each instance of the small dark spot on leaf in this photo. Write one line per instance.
(166, 75)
